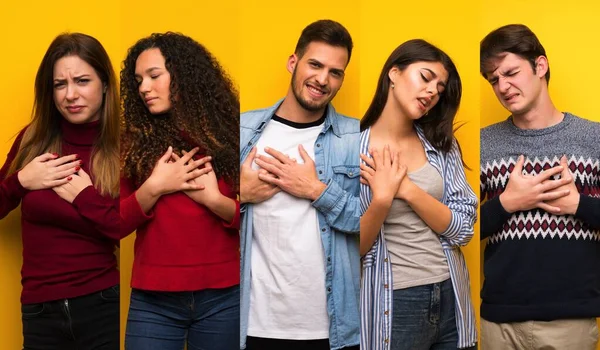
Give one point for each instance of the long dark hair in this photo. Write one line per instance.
(43, 133)
(205, 112)
(438, 124)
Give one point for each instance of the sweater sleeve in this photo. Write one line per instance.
(101, 211)
(11, 190)
(589, 211)
(493, 216)
(132, 215)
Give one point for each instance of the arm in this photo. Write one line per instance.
(588, 211)
(102, 211)
(132, 215)
(11, 190)
(340, 208)
(461, 201)
(371, 222)
(493, 216)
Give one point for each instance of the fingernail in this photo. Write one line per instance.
(69, 178)
(267, 148)
(77, 168)
(55, 154)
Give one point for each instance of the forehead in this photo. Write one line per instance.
(334, 56)
(504, 61)
(72, 65)
(150, 58)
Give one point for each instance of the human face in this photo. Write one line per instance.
(516, 85)
(318, 75)
(154, 81)
(417, 88)
(78, 90)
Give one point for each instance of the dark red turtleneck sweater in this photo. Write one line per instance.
(68, 249)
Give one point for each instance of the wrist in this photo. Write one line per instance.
(506, 203)
(152, 189)
(410, 195)
(22, 180)
(317, 190)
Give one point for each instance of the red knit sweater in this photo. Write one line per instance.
(68, 249)
(181, 245)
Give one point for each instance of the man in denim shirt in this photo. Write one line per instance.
(299, 190)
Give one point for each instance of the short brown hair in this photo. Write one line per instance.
(513, 38)
(325, 31)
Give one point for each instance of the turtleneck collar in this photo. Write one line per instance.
(80, 134)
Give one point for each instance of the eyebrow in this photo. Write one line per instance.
(435, 76)
(74, 78)
(149, 70)
(491, 75)
(335, 70)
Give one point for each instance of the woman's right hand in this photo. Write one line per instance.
(171, 176)
(383, 173)
(48, 170)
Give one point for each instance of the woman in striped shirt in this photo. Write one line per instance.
(418, 208)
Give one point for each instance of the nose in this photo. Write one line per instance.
(503, 85)
(72, 92)
(431, 88)
(144, 87)
(322, 77)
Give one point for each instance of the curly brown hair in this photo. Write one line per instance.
(205, 112)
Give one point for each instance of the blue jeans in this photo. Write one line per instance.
(423, 318)
(207, 319)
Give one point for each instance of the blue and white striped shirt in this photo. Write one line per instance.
(376, 288)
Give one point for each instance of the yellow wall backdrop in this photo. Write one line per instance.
(568, 32)
(387, 25)
(215, 25)
(26, 30)
(268, 36)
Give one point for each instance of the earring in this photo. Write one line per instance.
(393, 85)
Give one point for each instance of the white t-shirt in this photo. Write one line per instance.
(287, 292)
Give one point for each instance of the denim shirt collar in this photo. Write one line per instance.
(330, 118)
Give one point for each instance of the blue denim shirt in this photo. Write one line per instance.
(338, 210)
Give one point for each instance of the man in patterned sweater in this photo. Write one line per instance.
(540, 174)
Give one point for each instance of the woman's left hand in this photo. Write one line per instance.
(211, 193)
(77, 183)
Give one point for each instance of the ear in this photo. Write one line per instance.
(105, 87)
(292, 61)
(541, 66)
(393, 74)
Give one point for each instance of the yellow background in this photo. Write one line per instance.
(385, 27)
(568, 32)
(26, 30)
(214, 24)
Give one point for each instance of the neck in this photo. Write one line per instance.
(291, 110)
(543, 114)
(392, 124)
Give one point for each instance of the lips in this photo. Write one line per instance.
(424, 103)
(511, 97)
(74, 109)
(315, 91)
(149, 99)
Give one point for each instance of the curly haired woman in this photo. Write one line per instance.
(182, 202)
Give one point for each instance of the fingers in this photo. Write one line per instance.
(550, 185)
(186, 186)
(386, 155)
(176, 157)
(377, 158)
(549, 208)
(46, 157)
(165, 158)
(367, 176)
(566, 173)
(188, 155)
(196, 173)
(367, 169)
(60, 182)
(277, 155)
(269, 178)
(70, 165)
(518, 168)
(548, 173)
(305, 157)
(369, 161)
(62, 160)
(248, 161)
(197, 163)
(550, 196)
(402, 171)
(83, 174)
(64, 173)
(269, 164)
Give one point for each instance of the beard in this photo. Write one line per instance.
(308, 105)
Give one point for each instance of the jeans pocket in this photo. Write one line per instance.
(32, 310)
(111, 294)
